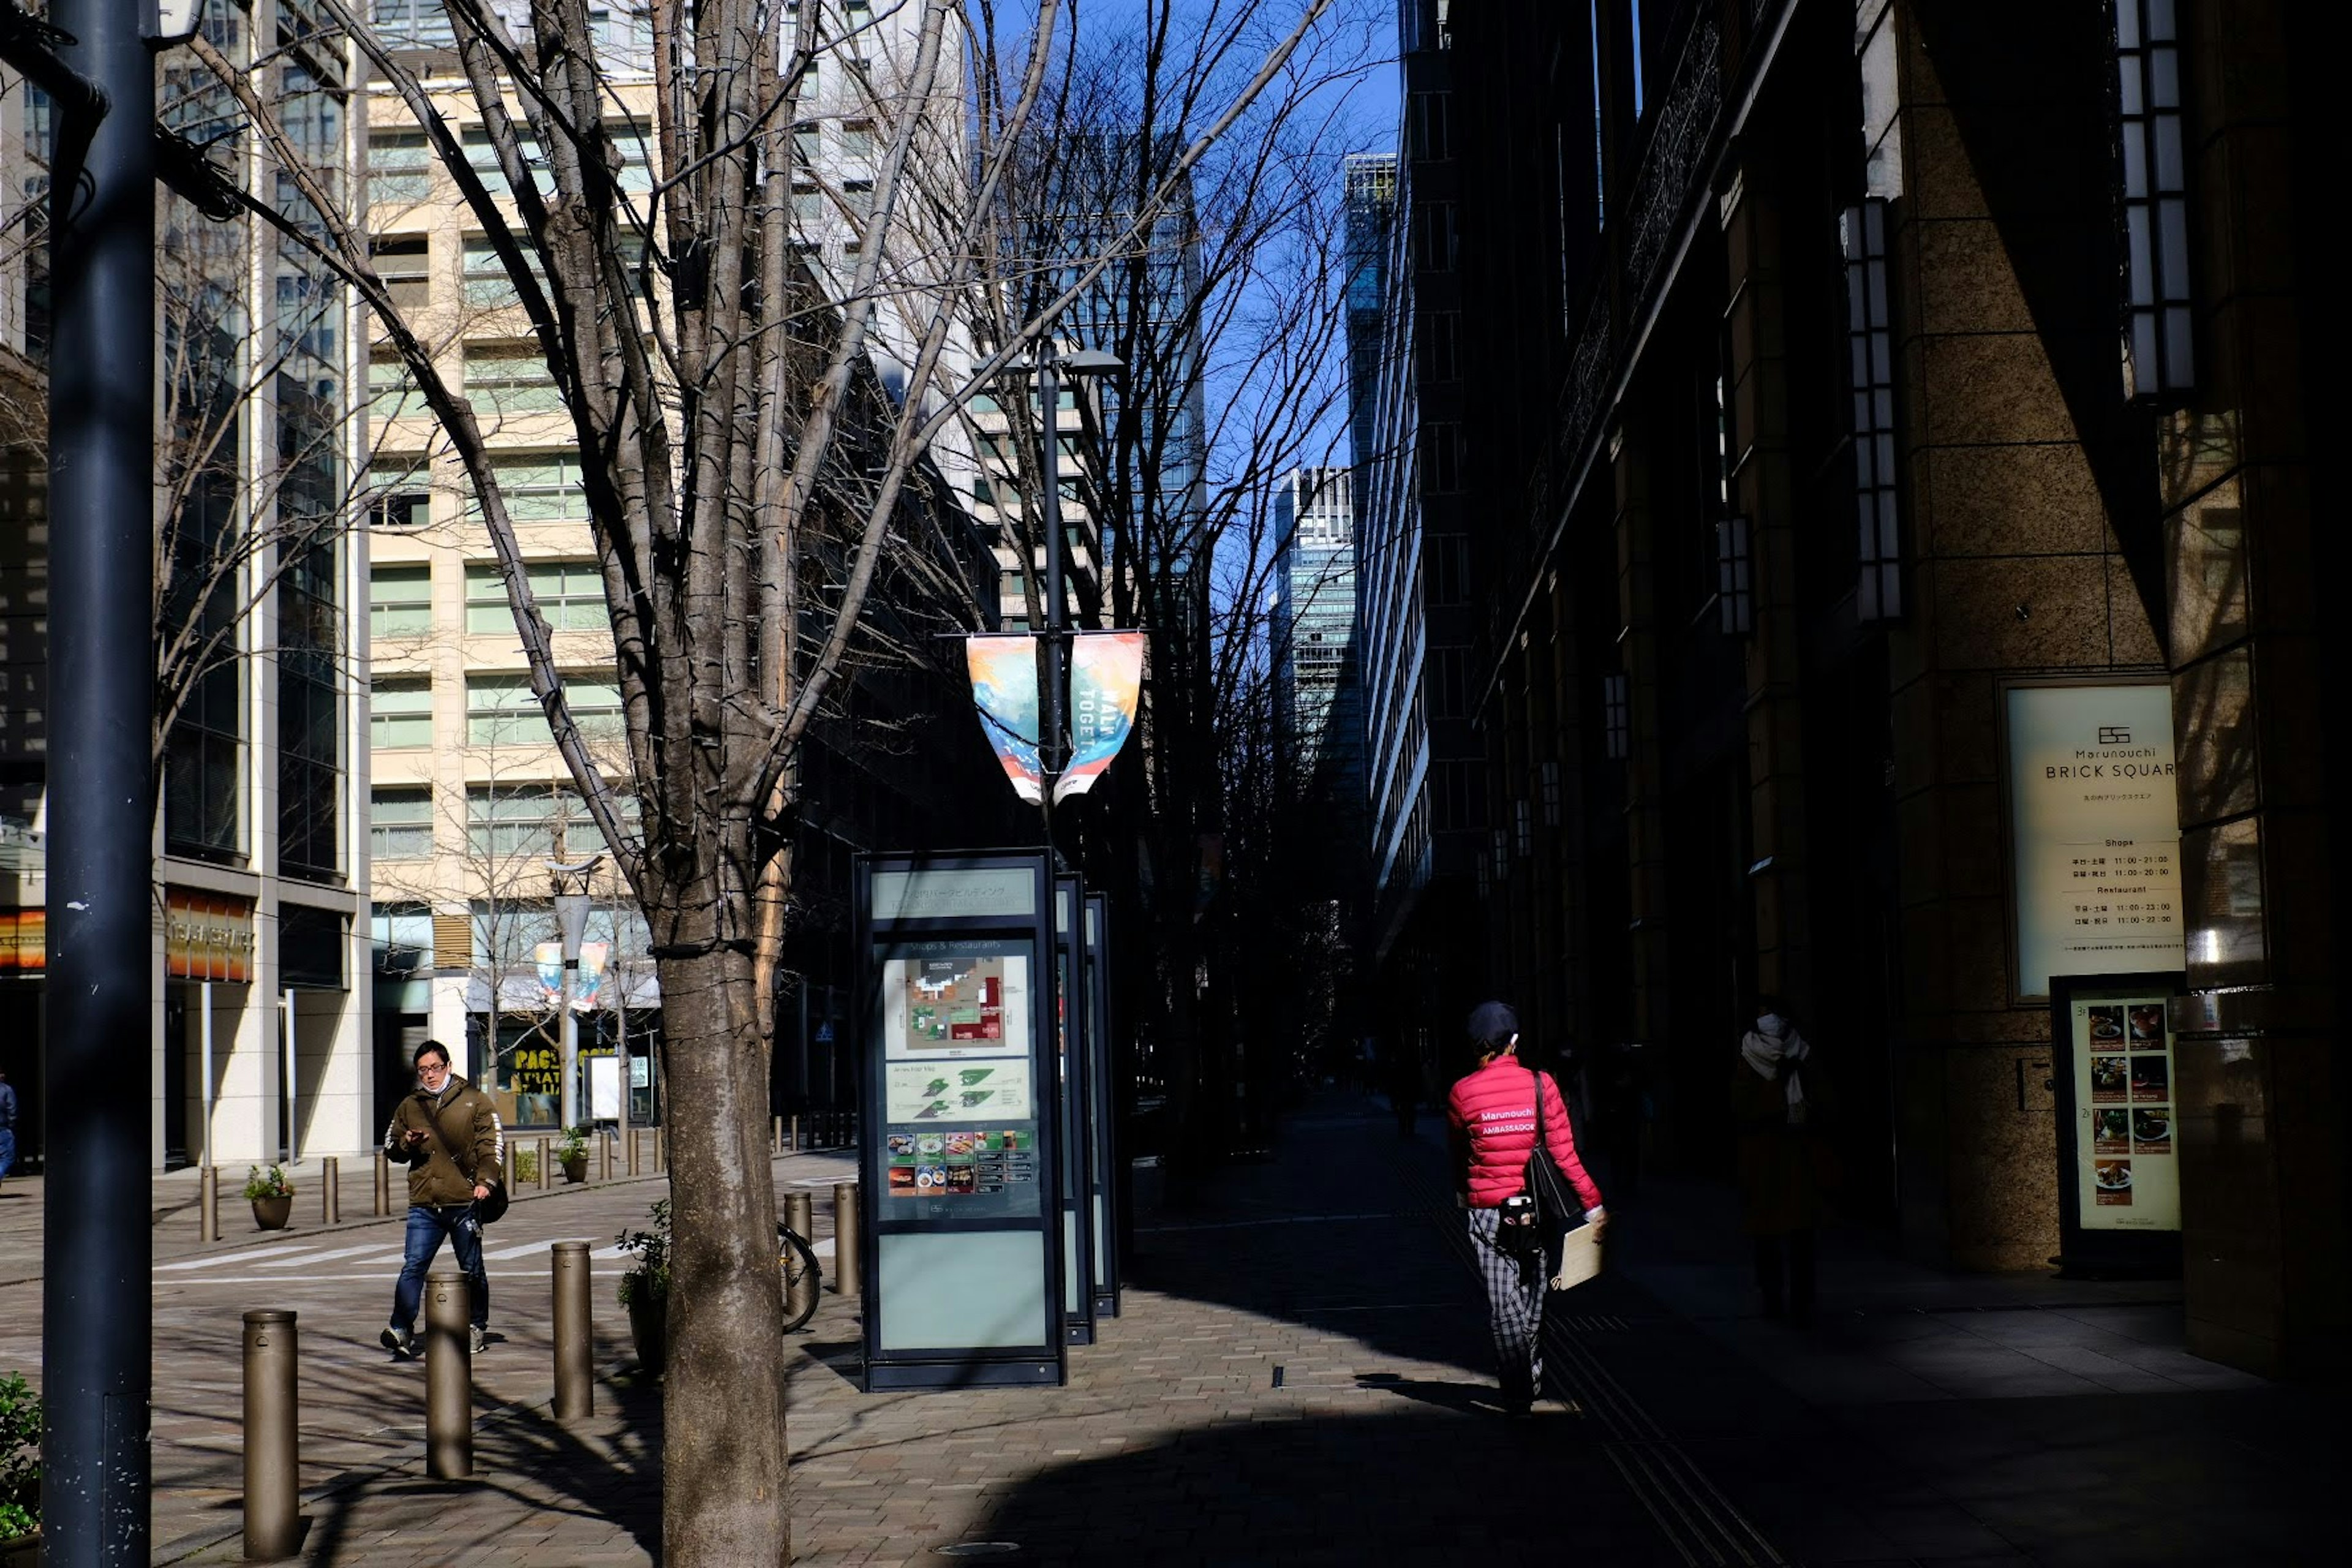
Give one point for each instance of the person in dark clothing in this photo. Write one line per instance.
(1776, 1108)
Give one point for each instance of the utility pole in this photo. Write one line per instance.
(97, 1283)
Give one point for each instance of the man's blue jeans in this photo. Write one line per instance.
(426, 1227)
(7, 1149)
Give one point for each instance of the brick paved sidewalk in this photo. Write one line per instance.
(1172, 1443)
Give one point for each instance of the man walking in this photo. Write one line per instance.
(446, 1134)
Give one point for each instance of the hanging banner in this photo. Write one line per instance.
(207, 936)
(549, 957)
(1106, 690)
(1004, 690)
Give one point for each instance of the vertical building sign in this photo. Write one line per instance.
(2096, 832)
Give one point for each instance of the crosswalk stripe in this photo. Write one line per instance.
(328, 1257)
(245, 1256)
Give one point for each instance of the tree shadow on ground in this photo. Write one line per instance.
(609, 1468)
(1415, 1485)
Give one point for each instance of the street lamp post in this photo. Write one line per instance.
(571, 905)
(1053, 646)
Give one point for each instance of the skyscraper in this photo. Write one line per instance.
(1318, 710)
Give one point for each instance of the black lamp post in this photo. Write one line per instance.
(1053, 644)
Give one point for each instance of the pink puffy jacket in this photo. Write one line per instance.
(1491, 1115)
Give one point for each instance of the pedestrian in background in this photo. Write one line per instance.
(1777, 1111)
(446, 1134)
(7, 1126)
(1491, 1124)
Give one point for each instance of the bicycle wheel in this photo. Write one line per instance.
(803, 1278)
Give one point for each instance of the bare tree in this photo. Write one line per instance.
(712, 377)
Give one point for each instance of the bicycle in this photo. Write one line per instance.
(798, 1261)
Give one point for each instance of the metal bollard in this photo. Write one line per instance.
(575, 1386)
(273, 1432)
(208, 1202)
(634, 1140)
(331, 1190)
(604, 1158)
(661, 1153)
(382, 1185)
(793, 1147)
(800, 1213)
(846, 1278)
(775, 1134)
(543, 1162)
(449, 1378)
(514, 1167)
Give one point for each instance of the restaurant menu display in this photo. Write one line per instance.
(2127, 1175)
(958, 1102)
(2095, 829)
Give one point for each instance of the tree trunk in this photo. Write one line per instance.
(724, 1453)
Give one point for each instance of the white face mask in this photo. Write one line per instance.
(1767, 1023)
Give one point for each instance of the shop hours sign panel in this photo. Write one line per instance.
(2095, 832)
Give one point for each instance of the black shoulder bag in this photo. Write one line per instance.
(1558, 1206)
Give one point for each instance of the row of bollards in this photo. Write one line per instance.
(823, 1130)
(273, 1489)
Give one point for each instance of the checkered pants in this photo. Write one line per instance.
(1515, 1298)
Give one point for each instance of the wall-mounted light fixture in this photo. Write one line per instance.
(2159, 359)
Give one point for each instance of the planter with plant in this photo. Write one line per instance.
(271, 1195)
(571, 1154)
(20, 1471)
(645, 1288)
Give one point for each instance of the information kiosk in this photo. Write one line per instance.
(2119, 1175)
(960, 1150)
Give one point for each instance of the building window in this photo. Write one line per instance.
(400, 715)
(310, 714)
(400, 825)
(1548, 786)
(1441, 457)
(400, 601)
(1616, 718)
(571, 595)
(1428, 130)
(1441, 346)
(397, 493)
(1449, 569)
(399, 169)
(1501, 843)
(486, 282)
(203, 756)
(1735, 595)
(513, 821)
(501, 710)
(1449, 686)
(391, 392)
(509, 379)
(538, 487)
(2159, 356)
(1870, 371)
(1433, 236)
(401, 935)
(415, 25)
(405, 263)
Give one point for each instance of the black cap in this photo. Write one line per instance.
(1493, 1022)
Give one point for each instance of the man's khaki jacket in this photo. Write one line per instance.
(469, 1124)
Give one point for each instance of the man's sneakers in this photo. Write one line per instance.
(402, 1343)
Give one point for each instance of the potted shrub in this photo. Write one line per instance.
(571, 1154)
(271, 1195)
(20, 1474)
(645, 1288)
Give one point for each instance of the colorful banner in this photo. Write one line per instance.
(549, 957)
(1005, 689)
(1106, 691)
(207, 936)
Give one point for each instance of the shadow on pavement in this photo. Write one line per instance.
(608, 1470)
(1423, 1486)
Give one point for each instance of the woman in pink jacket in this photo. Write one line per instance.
(1491, 1118)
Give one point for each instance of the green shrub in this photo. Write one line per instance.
(649, 1275)
(526, 1167)
(573, 1145)
(20, 1457)
(271, 1184)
